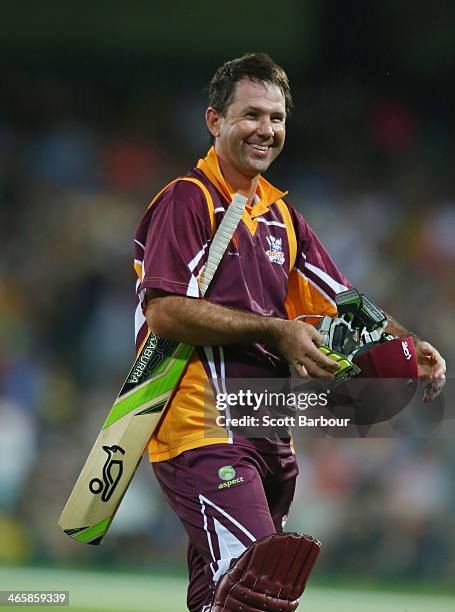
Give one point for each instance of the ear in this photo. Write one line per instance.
(213, 119)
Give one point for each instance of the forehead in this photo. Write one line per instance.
(258, 94)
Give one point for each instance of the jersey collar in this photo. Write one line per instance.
(267, 193)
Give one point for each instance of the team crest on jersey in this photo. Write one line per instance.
(275, 251)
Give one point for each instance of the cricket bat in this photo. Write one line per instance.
(141, 403)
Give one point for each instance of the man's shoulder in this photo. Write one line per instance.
(296, 216)
(182, 201)
(193, 189)
(288, 204)
(183, 187)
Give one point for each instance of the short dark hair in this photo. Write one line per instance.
(253, 66)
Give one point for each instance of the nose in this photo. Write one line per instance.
(265, 128)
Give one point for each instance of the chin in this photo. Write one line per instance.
(261, 168)
(257, 167)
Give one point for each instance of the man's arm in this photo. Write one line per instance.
(395, 328)
(199, 322)
(430, 363)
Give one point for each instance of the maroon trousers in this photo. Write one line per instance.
(227, 496)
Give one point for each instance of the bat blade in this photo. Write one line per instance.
(123, 439)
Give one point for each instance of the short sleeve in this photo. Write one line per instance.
(176, 233)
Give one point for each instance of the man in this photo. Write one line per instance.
(275, 268)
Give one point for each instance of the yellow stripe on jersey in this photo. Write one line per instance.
(292, 238)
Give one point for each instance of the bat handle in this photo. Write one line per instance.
(221, 239)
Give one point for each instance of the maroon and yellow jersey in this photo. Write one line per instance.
(275, 266)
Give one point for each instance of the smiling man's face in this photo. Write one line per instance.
(252, 133)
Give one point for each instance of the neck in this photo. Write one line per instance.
(237, 181)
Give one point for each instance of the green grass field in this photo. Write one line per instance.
(103, 592)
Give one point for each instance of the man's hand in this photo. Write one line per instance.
(431, 368)
(298, 343)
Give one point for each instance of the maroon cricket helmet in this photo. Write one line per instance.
(391, 359)
(385, 386)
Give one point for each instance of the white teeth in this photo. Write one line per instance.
(258, 147)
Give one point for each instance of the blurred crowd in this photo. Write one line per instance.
(373, 178)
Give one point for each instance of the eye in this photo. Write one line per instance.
(251, 115)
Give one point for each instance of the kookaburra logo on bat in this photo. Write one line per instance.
(112, 472)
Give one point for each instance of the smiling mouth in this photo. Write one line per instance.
(258, 147)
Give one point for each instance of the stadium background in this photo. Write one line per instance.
(101, 104)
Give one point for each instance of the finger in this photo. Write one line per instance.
(431, 354)
(426, 370)
(300, 370)
(315, 370)
(439, 371)
(423, 371)
(424, 346)
(440, 365)
(439, 358)
(426, 349)
(315, 335)
(433, 389)
(427, 393)
(320, 359)
(430, 396)
(311, 332)
(437, 384)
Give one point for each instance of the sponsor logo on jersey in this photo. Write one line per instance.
(275, 251)
(406, 351)
(227, 473)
